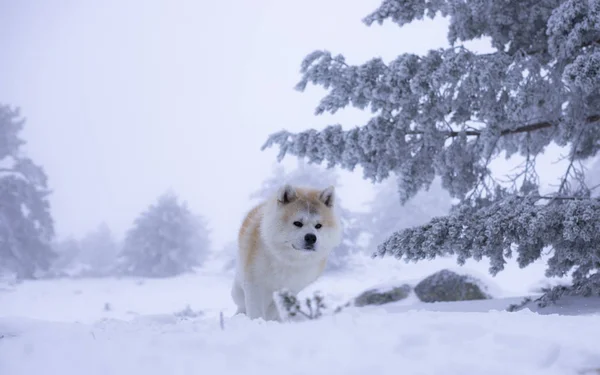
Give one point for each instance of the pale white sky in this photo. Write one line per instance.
(126, 99)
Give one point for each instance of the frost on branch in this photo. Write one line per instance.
(513, 225)
(451, 112)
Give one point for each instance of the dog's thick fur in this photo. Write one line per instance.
(276, 247)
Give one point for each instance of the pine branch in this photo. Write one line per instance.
(569, 227)
(522, 129)
(560, 198)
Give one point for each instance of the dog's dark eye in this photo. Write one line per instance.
(298, 224)
(318, 226)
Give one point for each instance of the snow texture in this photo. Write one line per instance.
(173, 326)
(451, 112)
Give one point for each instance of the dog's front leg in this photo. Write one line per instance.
(255, 298)
(237, 293)
(271, 312)
(260, 304)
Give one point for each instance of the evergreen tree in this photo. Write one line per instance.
(452, 111)
(166, 240)
(26, 226)
(314, 176)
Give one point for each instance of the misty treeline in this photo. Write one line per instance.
(167, 238)
(453, 111)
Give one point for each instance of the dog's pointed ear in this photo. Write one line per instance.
(287, 194)
(327, 196)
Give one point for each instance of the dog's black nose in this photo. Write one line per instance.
(310, 239)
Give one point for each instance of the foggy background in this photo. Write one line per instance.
(125, 100)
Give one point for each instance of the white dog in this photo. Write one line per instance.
(284, 243)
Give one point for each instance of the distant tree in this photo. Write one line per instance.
(387, 215)
(67, 252)
(26, 225)
(312, 175)
(166, 240)
(452, 111)
(99, 251)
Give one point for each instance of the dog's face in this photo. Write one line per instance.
(303, 220)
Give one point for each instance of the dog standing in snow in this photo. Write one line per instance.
(283, 243)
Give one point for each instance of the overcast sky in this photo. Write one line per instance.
(127, 99)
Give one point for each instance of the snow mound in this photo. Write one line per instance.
(351, 342)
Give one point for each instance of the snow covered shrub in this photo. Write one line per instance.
(26, 225)
(289, 306)
(452, 111)
(188, 313)
(166, 240)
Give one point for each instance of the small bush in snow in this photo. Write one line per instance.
(188, 313)
(289, 306)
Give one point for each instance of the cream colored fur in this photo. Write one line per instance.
(274, 252)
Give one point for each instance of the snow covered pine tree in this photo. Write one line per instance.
(451, 112)
(26, 226)
(166, 240)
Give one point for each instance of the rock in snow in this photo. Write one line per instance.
(382, 296)
(446, 286)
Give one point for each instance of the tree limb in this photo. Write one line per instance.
(521, 129)
(561, 198)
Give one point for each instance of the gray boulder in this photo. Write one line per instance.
(382, 296)
(446, 286)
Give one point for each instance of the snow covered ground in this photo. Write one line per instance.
(172, 326)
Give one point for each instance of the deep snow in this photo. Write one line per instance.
(130, 327)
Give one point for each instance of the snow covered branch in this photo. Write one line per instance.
(570, 227)
(521, 129)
